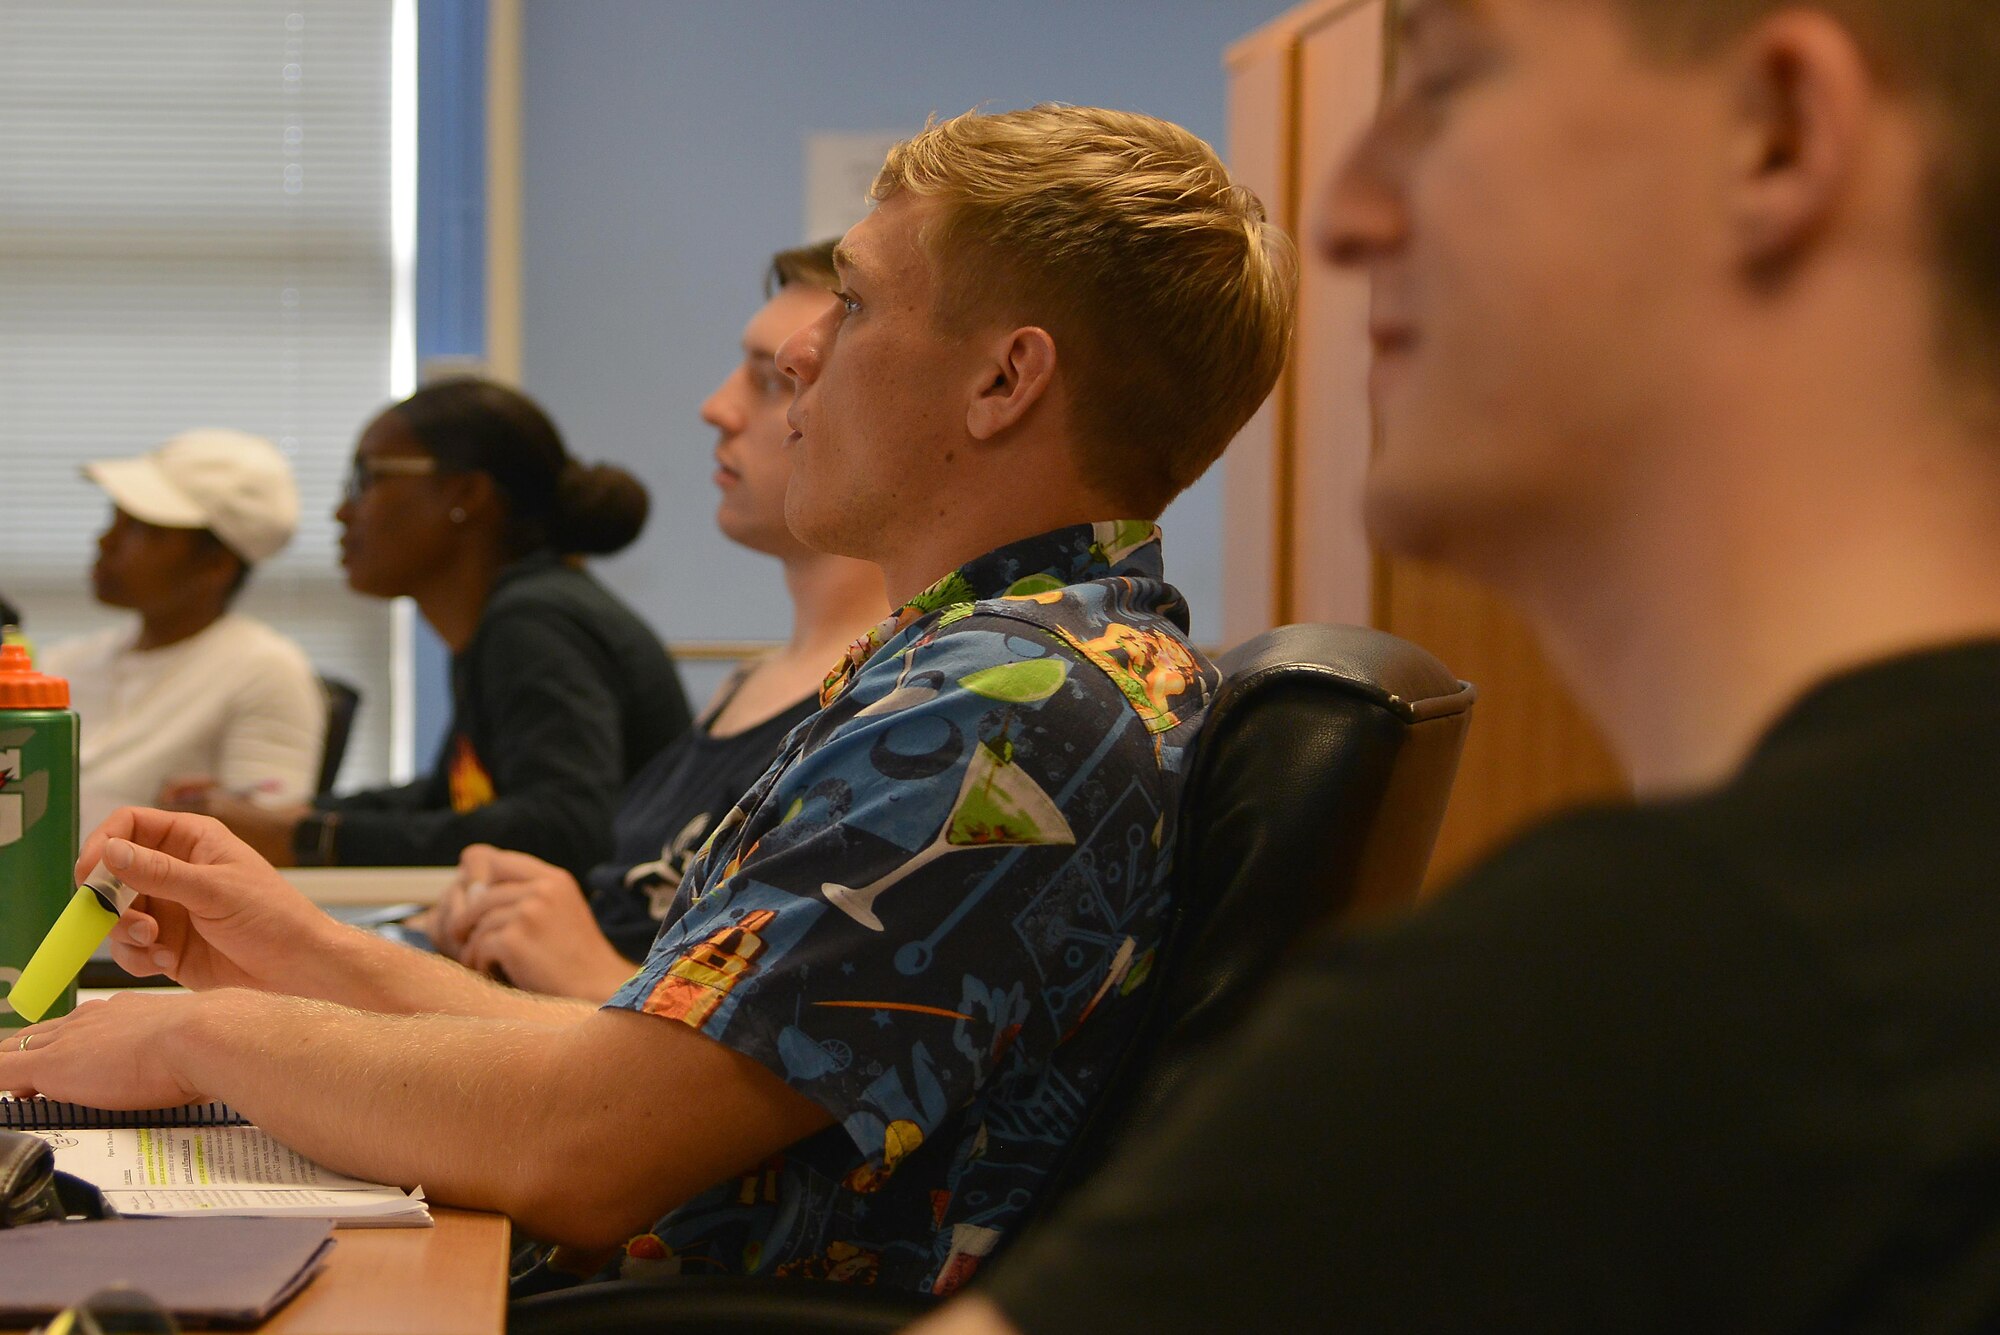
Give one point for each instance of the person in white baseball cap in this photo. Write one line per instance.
(194, 692)
(235, 485)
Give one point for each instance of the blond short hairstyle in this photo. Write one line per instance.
(1169, 294)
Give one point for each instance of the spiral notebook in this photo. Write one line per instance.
(39, 1114)
(203, 1159)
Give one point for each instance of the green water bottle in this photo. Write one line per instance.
(38, 817)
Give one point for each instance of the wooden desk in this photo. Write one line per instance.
(371, 885)
(447, 1280)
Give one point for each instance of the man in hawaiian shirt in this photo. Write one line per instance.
(903, 967)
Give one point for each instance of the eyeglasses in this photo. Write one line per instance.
(365, 473)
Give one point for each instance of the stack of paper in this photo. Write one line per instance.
(239, 1170)
(204, 1160)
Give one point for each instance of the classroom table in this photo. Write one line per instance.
(349, 886)
(450, 1279)
(447, 1280)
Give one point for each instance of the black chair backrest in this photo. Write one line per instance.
(1316, 791)
(342, 699)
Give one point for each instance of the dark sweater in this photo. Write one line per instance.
(562, 695)
(669, 812)
(1728, 1063)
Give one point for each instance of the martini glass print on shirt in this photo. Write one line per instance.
(997, 805)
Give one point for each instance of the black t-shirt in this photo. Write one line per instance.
(1728, 1063)
(667, 814)
(560, 697)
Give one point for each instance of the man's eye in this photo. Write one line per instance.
(1439, 74)
(849, 303)
(1438, 84)
(1418, 109)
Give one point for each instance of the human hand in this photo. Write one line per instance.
(118, 1053)
(182, 790)
(210, 912)
(516, 917)
(479, 865)
(267, 829)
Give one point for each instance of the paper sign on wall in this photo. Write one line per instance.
(840, 166)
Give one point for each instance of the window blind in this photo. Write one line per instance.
(196, 230)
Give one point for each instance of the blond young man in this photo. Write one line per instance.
(1686, 314)
(903, 963)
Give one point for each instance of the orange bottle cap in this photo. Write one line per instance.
(21, 687)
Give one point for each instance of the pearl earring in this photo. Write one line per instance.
(458, 514)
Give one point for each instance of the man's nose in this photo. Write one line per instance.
(716, 409)
(1361, 214)
(798, 356)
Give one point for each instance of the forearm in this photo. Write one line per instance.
(567, 828)
(371, 973)
(470, 1109)
(583, 1135)
(412, 796)
(605, 981)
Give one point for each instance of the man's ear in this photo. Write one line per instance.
(1805, 90)
(1022, 369)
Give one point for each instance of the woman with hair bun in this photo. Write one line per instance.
(463, 498)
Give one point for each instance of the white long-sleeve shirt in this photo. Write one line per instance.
(238, 702)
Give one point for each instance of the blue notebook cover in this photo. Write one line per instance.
(220, 1272)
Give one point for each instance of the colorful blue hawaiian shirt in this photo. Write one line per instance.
(932, 916)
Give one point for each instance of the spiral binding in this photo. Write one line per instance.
(40, 1114)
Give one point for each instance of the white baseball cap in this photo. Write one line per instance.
(235, 485)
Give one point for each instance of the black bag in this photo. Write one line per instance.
(31, 1190)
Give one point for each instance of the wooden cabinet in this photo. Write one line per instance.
(1302, 90)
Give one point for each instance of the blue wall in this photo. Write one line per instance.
(663, 163)
(451, 256)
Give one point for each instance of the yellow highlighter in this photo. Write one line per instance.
(92, 912)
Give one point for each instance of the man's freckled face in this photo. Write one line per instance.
(878, 408)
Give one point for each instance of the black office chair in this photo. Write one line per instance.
(1316, 792)
(342, 700)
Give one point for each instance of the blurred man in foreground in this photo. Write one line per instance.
(1685, 321)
